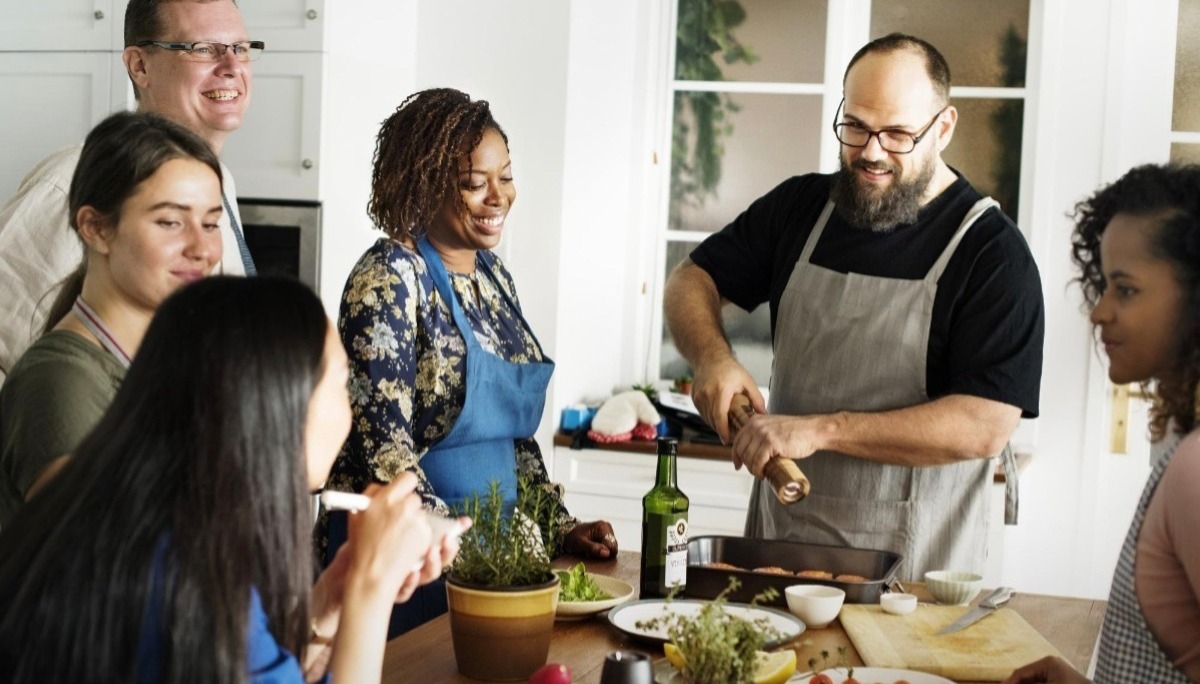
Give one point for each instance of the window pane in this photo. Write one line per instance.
(984, 42)
(1186, 115)
(751, 40)
(749, 333)
(1185, 153)
(987, 148)
(729, 150)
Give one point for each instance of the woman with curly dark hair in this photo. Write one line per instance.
(448, 381)
(1137, 245)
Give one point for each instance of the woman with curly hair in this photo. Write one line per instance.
(448, 380)
(1137, 245)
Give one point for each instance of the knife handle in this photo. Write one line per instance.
(998, 597)
(786, 478)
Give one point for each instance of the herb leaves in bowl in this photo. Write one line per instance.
(576, 585)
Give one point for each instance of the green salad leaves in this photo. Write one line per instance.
(575, 585)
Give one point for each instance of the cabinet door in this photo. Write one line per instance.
(286, 25)
(60, 24)
(52, 99)
(274, 153)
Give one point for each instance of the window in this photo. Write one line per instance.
(752, 89)
(1185, 114)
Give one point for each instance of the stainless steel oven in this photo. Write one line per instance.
(284, 237)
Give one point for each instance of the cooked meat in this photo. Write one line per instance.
(815, 574)
(773, 570)
(851, 578)
(718, 565)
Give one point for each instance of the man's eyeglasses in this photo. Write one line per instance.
(890, 139)
(207, 51)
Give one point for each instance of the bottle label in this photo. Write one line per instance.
(677, 542)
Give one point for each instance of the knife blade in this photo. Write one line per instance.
(986, 607)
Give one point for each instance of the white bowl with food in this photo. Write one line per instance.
(582, 596)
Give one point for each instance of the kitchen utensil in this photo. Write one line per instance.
(953, 588)
(986, 607)
(626, 616)
(987, 652)
(816, 604)
(878, 567)
(786, 478)
(627, 667)
(578, 610)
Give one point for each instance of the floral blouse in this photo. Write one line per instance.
(407, 366)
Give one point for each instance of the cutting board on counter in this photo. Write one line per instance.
(987, 651)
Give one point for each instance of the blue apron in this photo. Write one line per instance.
(503, 403)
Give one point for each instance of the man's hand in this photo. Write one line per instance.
(713, 388)
(1049, 670)
(766, 436)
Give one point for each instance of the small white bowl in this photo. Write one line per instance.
(898, 604)
(951, 587)
(815, 604)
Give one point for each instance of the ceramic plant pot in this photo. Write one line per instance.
(501, 634)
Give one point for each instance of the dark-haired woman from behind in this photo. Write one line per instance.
(176, 544)
(448, 380)
(145, 201)
(1137, 246)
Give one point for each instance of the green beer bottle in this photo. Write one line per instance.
(664, 528)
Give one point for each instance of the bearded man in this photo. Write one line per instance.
(907, 326)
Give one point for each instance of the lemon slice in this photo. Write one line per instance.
(674, 656)
(774, 668)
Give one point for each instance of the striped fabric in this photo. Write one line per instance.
(243, 248)
(1128, 651)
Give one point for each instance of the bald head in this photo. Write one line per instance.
(937, 71)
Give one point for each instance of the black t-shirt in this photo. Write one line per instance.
(987, 326)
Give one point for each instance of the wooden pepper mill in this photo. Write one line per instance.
(786, 478)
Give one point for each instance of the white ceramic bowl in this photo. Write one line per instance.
(952, 587)
(815, 604)
(898, 604)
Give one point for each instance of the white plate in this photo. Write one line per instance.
(626, 617)
(886, 675)
(578, 610)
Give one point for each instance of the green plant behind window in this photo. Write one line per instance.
(704, 31)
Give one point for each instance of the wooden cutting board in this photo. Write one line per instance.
(987, 651)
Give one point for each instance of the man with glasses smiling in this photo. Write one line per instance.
(188, 60)
(907, 326)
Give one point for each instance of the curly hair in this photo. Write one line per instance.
(1171, 192)
(417, 157)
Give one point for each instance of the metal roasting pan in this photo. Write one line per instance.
(879, 567)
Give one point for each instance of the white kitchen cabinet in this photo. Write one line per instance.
(52, 99)
(611, 484)
(275, 152)
(51, 25)
(286, 25)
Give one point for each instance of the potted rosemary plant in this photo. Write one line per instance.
(501, 590)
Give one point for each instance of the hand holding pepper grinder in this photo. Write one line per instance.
(785, 476)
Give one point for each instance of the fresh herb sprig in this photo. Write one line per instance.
(717, 647)
(506, 548)
(575, 585)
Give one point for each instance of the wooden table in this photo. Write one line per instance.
(427, 655)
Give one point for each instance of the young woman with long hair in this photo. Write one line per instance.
(145, 201)
(1137, 246)
(175, 544)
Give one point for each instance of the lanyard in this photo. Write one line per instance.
(92, 322)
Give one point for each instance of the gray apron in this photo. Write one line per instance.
(846, 341)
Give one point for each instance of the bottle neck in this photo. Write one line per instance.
(667, 474)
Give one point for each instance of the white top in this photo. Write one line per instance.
(38, 249)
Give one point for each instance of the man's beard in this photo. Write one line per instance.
(868, 207)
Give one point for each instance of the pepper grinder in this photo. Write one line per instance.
(786, 478)
(627, 667)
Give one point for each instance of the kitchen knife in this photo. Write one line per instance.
(986, 607)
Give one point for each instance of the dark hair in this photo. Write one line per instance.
(143, 21)
(935, 64)
(417, 156)
(195, 477)
(119, 154)
(1172, 193)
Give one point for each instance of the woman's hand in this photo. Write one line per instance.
(593, 540)
(1049, 670)
(437, 559)
(390, 539)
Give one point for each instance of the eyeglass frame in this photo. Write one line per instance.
(180, 46)
(916, 138)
